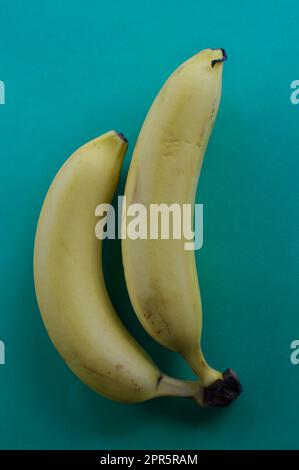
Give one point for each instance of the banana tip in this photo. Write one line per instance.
(223, 392)
(222, 59)
(122, 136)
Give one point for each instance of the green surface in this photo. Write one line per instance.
(74, 70)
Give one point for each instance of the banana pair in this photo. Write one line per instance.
(160, 274)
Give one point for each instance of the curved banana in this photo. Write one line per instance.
(70, 287)
(160, 274)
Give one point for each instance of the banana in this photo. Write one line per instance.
(160, 274)
(70, 287)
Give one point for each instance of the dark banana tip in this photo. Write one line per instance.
(223, 392)
(222, 59)
(123, 137)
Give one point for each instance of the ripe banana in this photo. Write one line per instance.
(160, 274)
(70, 287)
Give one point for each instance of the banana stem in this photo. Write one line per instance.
(169, 386)
(201, 368)
(218, 389)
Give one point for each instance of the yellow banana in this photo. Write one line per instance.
(70, 287)
(160, 274)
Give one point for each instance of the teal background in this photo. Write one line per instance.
(74, 70)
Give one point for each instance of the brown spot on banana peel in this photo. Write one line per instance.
(137, 388)
(170, 146)
(159, 380)
(108, 375)
(212, 115)
(93, 371)
(152, 304)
